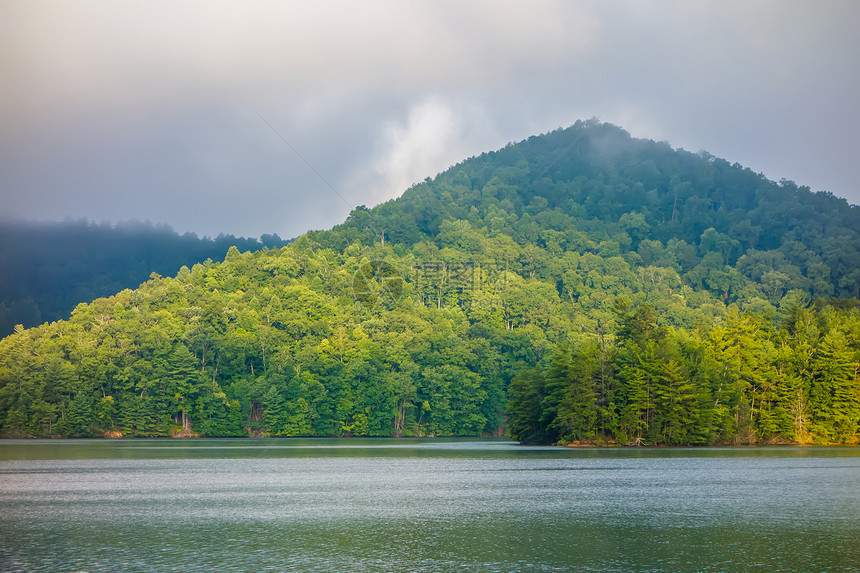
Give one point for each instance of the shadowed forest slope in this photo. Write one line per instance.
(46, 269)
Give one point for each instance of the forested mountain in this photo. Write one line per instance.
(46, 269)
(579, 285)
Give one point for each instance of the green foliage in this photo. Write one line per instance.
(525, 407)
(732, 384)
(578, 286)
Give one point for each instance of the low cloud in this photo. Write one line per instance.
(432, 138)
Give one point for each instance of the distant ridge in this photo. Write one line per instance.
(49, 267)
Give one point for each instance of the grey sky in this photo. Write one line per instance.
(117, 110)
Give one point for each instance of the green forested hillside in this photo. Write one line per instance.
(580, 285)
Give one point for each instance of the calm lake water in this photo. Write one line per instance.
(397, 505)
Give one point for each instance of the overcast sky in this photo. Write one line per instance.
(158, 110)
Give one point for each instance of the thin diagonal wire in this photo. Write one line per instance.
(323, 179)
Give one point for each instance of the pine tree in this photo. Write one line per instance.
(835, 393)
(675, 406)
(576, 412)
(525, 397)
(273, 411)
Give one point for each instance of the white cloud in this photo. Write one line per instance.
(429, 141)
(429, 137)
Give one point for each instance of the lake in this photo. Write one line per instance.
(423, 505)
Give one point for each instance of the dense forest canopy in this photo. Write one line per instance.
(46, 269)
(579, 285)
